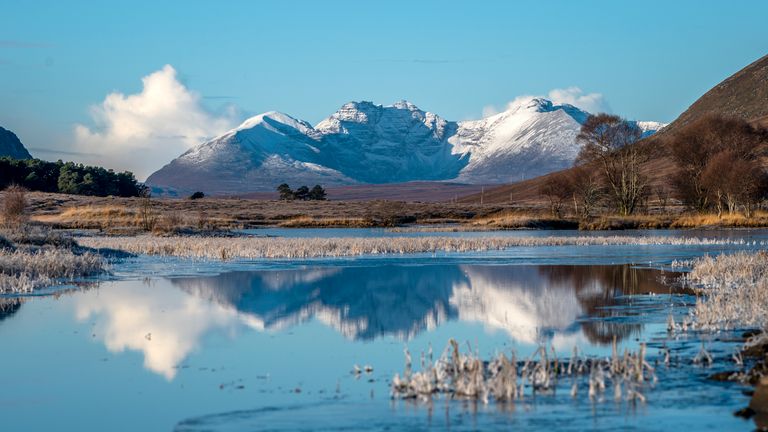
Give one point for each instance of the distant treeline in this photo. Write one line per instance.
(68, 177)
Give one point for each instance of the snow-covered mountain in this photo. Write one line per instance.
(367, 143)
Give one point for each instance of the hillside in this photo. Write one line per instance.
(11, 146)
(743, 95)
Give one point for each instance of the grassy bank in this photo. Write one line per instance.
(32, 259)
(676, 220)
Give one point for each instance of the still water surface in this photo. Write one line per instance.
(270, 346)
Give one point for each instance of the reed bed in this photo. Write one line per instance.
(328, 222)
(734, 291)
(506, 379)
(22, 271)
(518, 220)
(298, 248)
(736, 220)
(97, 216)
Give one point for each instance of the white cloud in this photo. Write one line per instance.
(142, 132)
(489, 110)
(590, 102)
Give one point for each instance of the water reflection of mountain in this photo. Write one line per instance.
(360, 302)
(527, 302)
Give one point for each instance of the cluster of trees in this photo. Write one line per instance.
(68, 177)
(717, 161)
(719, 166)
(317, 193)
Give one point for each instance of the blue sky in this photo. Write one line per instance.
(648, 60)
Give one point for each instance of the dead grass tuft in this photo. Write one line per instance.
(14, 207)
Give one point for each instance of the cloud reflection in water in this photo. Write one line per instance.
(529, 303)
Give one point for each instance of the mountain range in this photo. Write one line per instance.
(366, 143)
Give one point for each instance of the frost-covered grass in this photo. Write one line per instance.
(27, 267)
(734, 291)
(280, 247)
(506, 379)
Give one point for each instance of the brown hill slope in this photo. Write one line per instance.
(743, 95)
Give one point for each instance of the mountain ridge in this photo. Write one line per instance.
(367, 143)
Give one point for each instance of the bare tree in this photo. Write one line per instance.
(557, 188)
(733, 182)
(587, 190)
(662, 197)
(608, 142)
(147, 215)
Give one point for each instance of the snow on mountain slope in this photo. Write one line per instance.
(263, 152)
(373, 144)
(386, 144)
(649, 127)
(533, 137)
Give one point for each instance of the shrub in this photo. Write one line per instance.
(197, 195)
(14, 209)
(147, 214)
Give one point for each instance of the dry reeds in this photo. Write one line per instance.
(14, 207)
(327, 222)
(101, 217)
(626, 222)
(733, 220)
(300, 248)
(522, 220)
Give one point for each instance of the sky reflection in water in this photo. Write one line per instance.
(165, 319)
(250, 339)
